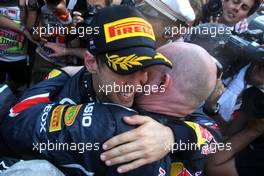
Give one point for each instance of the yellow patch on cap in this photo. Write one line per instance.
(125, 62)
(128, 27)
(161, 56)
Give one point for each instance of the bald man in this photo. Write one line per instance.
(185, 87)
(189, 83)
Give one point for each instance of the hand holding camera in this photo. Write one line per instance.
(253, 102)
(77, 18)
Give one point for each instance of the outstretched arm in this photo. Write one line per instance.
(9, 24)
(62, 51)
(226, 158)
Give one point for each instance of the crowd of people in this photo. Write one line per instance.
(130, 87)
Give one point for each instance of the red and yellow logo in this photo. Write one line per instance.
(71, 114)
(55, 120)
(202, 134)
(178, 169)
(54, 73)
(128, 27)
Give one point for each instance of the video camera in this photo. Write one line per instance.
(213, 8)
(250, 42)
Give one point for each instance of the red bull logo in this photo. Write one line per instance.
(205, 134)
(178, 169)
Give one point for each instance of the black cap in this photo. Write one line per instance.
(126, 41)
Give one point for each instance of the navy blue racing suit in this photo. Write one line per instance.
(70, 136)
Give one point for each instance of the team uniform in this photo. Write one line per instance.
(52, 114)
(90, 124)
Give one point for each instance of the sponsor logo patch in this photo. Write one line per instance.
(202, 136)
(71, 114)
(44, 117)
(55, 120)
(205, 134)
(178, 169)
(128, 27)
(162, 172)
(54, 73)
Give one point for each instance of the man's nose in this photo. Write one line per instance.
(144, 77)
(237, 7)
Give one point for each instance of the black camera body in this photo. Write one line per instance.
(89, 14)
(247, 45)
(253, 102)
(213, 8)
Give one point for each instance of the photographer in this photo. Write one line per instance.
(246, 154)
(238, 73)
(230, 101)
(54, 21)
(79, 16)
(170, 19)
(231, 12)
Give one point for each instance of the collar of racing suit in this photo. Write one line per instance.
(87, 89)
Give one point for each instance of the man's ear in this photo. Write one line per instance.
(166, 80)
(90, 62)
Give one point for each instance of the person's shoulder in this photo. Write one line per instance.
(82, 75)
(7, 99)
(118, 112)
(206, 122)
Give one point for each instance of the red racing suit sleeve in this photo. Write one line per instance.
(44, 91)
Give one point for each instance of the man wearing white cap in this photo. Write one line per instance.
(168, 17)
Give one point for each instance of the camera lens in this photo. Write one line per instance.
(213, 8)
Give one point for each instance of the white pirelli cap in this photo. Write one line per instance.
(174, 9)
